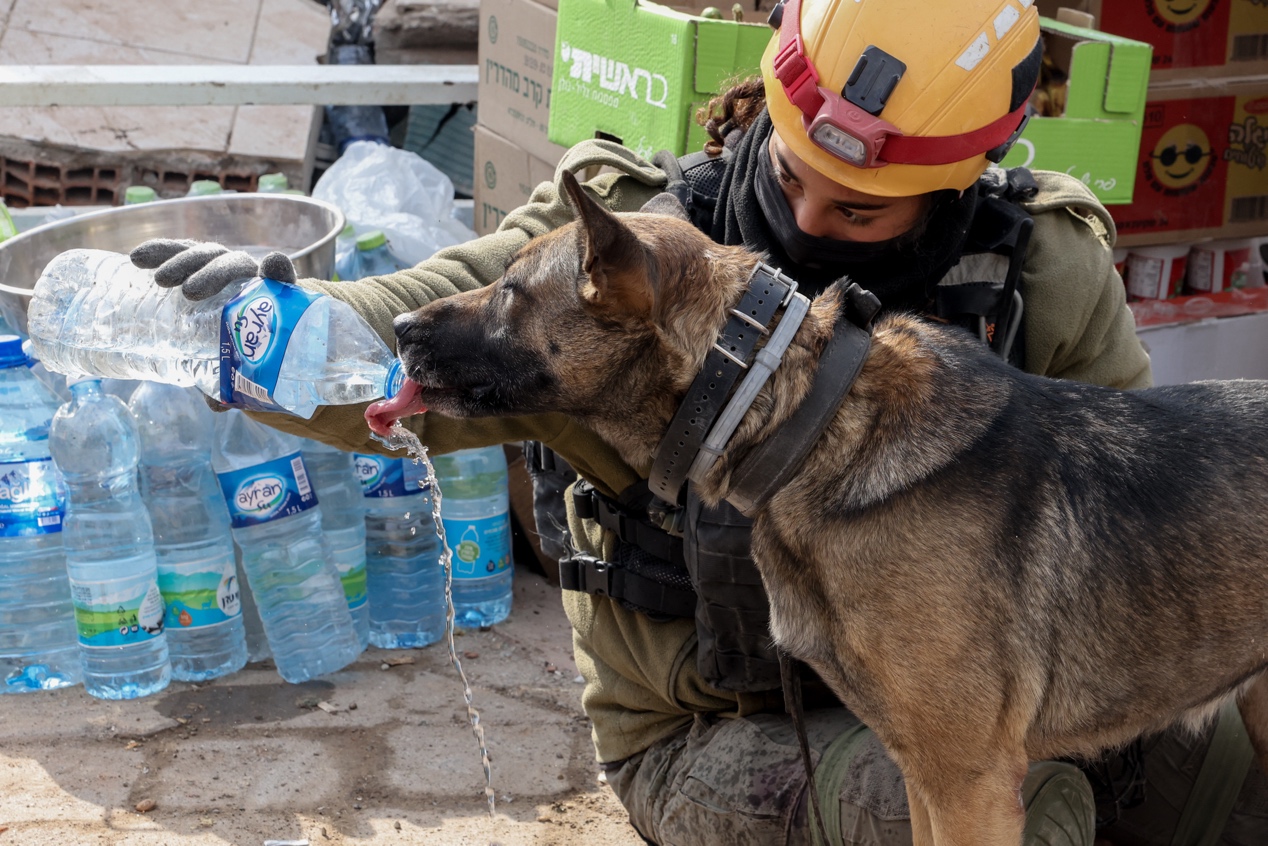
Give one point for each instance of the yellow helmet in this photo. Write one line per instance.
(901, 97)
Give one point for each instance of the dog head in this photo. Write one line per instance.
(606, 319)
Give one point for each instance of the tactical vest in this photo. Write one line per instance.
(710, 575)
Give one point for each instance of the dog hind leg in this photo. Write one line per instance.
(976, 806)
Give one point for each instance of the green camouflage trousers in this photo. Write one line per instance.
(741, 782)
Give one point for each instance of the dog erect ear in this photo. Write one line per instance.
(612, 257)
(667, 204)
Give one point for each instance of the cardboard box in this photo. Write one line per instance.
(516, 52)
(1190, 37)
(505, 176)
(1202, 170)
(1098, 137)
(636, 72)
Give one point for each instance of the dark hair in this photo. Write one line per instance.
(735, 108)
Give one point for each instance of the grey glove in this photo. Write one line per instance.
(202, 268)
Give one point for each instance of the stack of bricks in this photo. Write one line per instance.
(76, 156)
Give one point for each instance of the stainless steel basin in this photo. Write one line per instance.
(303, 228)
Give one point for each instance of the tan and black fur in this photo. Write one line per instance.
(988, 567)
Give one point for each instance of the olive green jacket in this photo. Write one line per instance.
(641, 678)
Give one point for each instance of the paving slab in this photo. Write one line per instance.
(379, 753)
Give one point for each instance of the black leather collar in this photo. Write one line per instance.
(773, 462)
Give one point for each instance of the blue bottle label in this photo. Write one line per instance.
(255, 329)
(200, 598)
(121, 612)
(268, 491)
(355, 585)
(480, 548)
(32, 498)
(381, 476)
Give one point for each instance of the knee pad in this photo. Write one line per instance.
(1060, 809)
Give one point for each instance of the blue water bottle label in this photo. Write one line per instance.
(196, 599)
(381, 476)
(269, 491)
(32, 498)
(255, 329)
(355, 584)
(121, 612)
(479, 548)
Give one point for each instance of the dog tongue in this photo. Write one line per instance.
(407, 401)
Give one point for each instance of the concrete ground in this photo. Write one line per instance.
(380, 753)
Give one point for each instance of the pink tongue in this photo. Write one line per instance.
(382, 414)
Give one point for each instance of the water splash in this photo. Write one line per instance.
(401, 438)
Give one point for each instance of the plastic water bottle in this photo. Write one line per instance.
(137, 194)
(277, 521)
(109, 547)
(405, 579)
(204, 188)
(196, 572)
(38, 645)
(334, 477)
(273, 183)
(475, 508)
(94, 313)
(373, 255)
(346, 254)
(257, 641)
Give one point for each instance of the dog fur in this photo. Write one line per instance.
(987, 567)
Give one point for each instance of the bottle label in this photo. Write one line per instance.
(200, 598)
(268, 491)
(255, 330)
(353, 579)
(381, 476)
(32, 498)
(121, 612)
(479, 548)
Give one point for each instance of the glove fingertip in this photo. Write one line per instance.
(277, 265)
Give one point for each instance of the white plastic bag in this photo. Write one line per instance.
(399, 192)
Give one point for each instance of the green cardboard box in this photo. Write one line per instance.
(1098, 137)
(636, 71)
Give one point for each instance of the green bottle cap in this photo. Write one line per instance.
(139, 194)
(273, 183)
(202, 187)
(348, 231)
(370, 240)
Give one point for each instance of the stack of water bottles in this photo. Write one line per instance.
(135, 536)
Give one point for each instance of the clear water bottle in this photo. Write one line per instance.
(374, 258)
(38, 644)
(137, 194)
(277, 521)
(94, 313)
(273, 183)
(475, 508)
(334, 477)
(405, 579)
(346, 254)
(196, 572)
(257, 642)
(109, 547)
(204, 188)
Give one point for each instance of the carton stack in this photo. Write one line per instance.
(512, 153)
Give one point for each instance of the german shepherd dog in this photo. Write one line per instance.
(988, 567)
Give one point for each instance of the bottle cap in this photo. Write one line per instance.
(11, 353)
(348, 231)
(274, 182)
(204, 186)
(139, 194)
(72, 381)
(370, 240)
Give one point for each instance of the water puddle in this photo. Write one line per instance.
(402, 438)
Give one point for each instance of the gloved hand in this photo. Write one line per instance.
(203, 268)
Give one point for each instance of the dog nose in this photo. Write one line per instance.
(401, 324)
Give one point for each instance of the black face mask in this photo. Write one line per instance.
(813, 250)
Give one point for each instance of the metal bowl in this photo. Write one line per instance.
(303, 228)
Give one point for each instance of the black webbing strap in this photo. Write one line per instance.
(628, 524)
(707, 396)
(773, 462)
(588, 574)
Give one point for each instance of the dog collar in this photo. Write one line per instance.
(772, 463)
(690, 442)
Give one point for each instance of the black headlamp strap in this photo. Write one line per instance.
(729, 357)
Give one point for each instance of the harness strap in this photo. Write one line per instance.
(773, 462)
(627, 524)
(588, 574)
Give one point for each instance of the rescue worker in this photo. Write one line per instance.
(863, 150)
